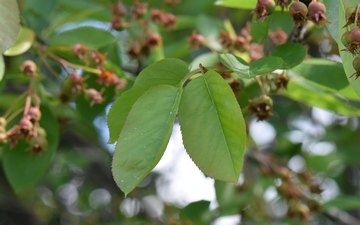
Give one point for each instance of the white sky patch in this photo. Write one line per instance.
(262, 132)
(321, 148)
(297, 164)
(323, 116)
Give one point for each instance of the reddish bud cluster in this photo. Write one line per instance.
(278, 37)
(138, 9)
(264, 8)
(167, 20)
(196, 40)
(94, 96)
(81, 51)
(28, 128)
(260, 107)
(240, 42)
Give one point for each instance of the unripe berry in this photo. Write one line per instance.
(28, 68)
(356, 65)
(264, 8)
(317, 12)
(26, 126)
(298, 12)
(351, 39)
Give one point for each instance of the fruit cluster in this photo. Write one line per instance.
(299, 12)
(351, 39)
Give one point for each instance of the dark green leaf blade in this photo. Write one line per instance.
(292, 54)
(236, 64)
(21, 168)
(167, 71)
(145, 135)
(312, 95)
(194, 210)
(323, 72)
(265, 65)
(9, 24)
(212, 126)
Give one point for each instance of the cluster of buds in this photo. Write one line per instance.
(299, 12)
(351, 39)
(278, 37)
(94, 96)
(196, 40)
(240, 42)
(75, 84)
(166, 20)
(143, 46)
(28, 129)
(278, 81)
(261, 107)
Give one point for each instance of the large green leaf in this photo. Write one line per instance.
(292, 54)
(212, 127)
(25, 39)
(311, 95)
(145, 135)
(9, 24)
(167, 71)
(89, 36)
(23, 169)
(332, 13)
(346, 57)
(195, 212)
(322, 71)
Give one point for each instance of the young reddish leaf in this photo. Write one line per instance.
(167, 71)
(213, 127)
(145, 135)
(9, 24)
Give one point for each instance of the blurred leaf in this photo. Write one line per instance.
(2, 67)
(292, 54)
(212, 127)
(208, 26)
(244, 4)
(344, 202)
(206, 60)
(265, 65)
(25, 39)
(9, 24)
(346, 57)
(313, 96)
(322, 71)
(23, 169)
(229, 198)
(144, 137)
(167, 71)
(194, 211)
(89, 36)
(260, 29)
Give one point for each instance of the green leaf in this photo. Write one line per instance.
(25, 39)
(212, 127)
(9, 24)
(145, 135)
(315, 96)
(167, 71)
(346, 57)
(23, 169)
(194, 210)
(260, 29)
(244, 4)
(89, 36)
(332, 13)
(292, 54)
(322, 71)
(236, 64)
(345, 202)
(2, 67)
(265, 65)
